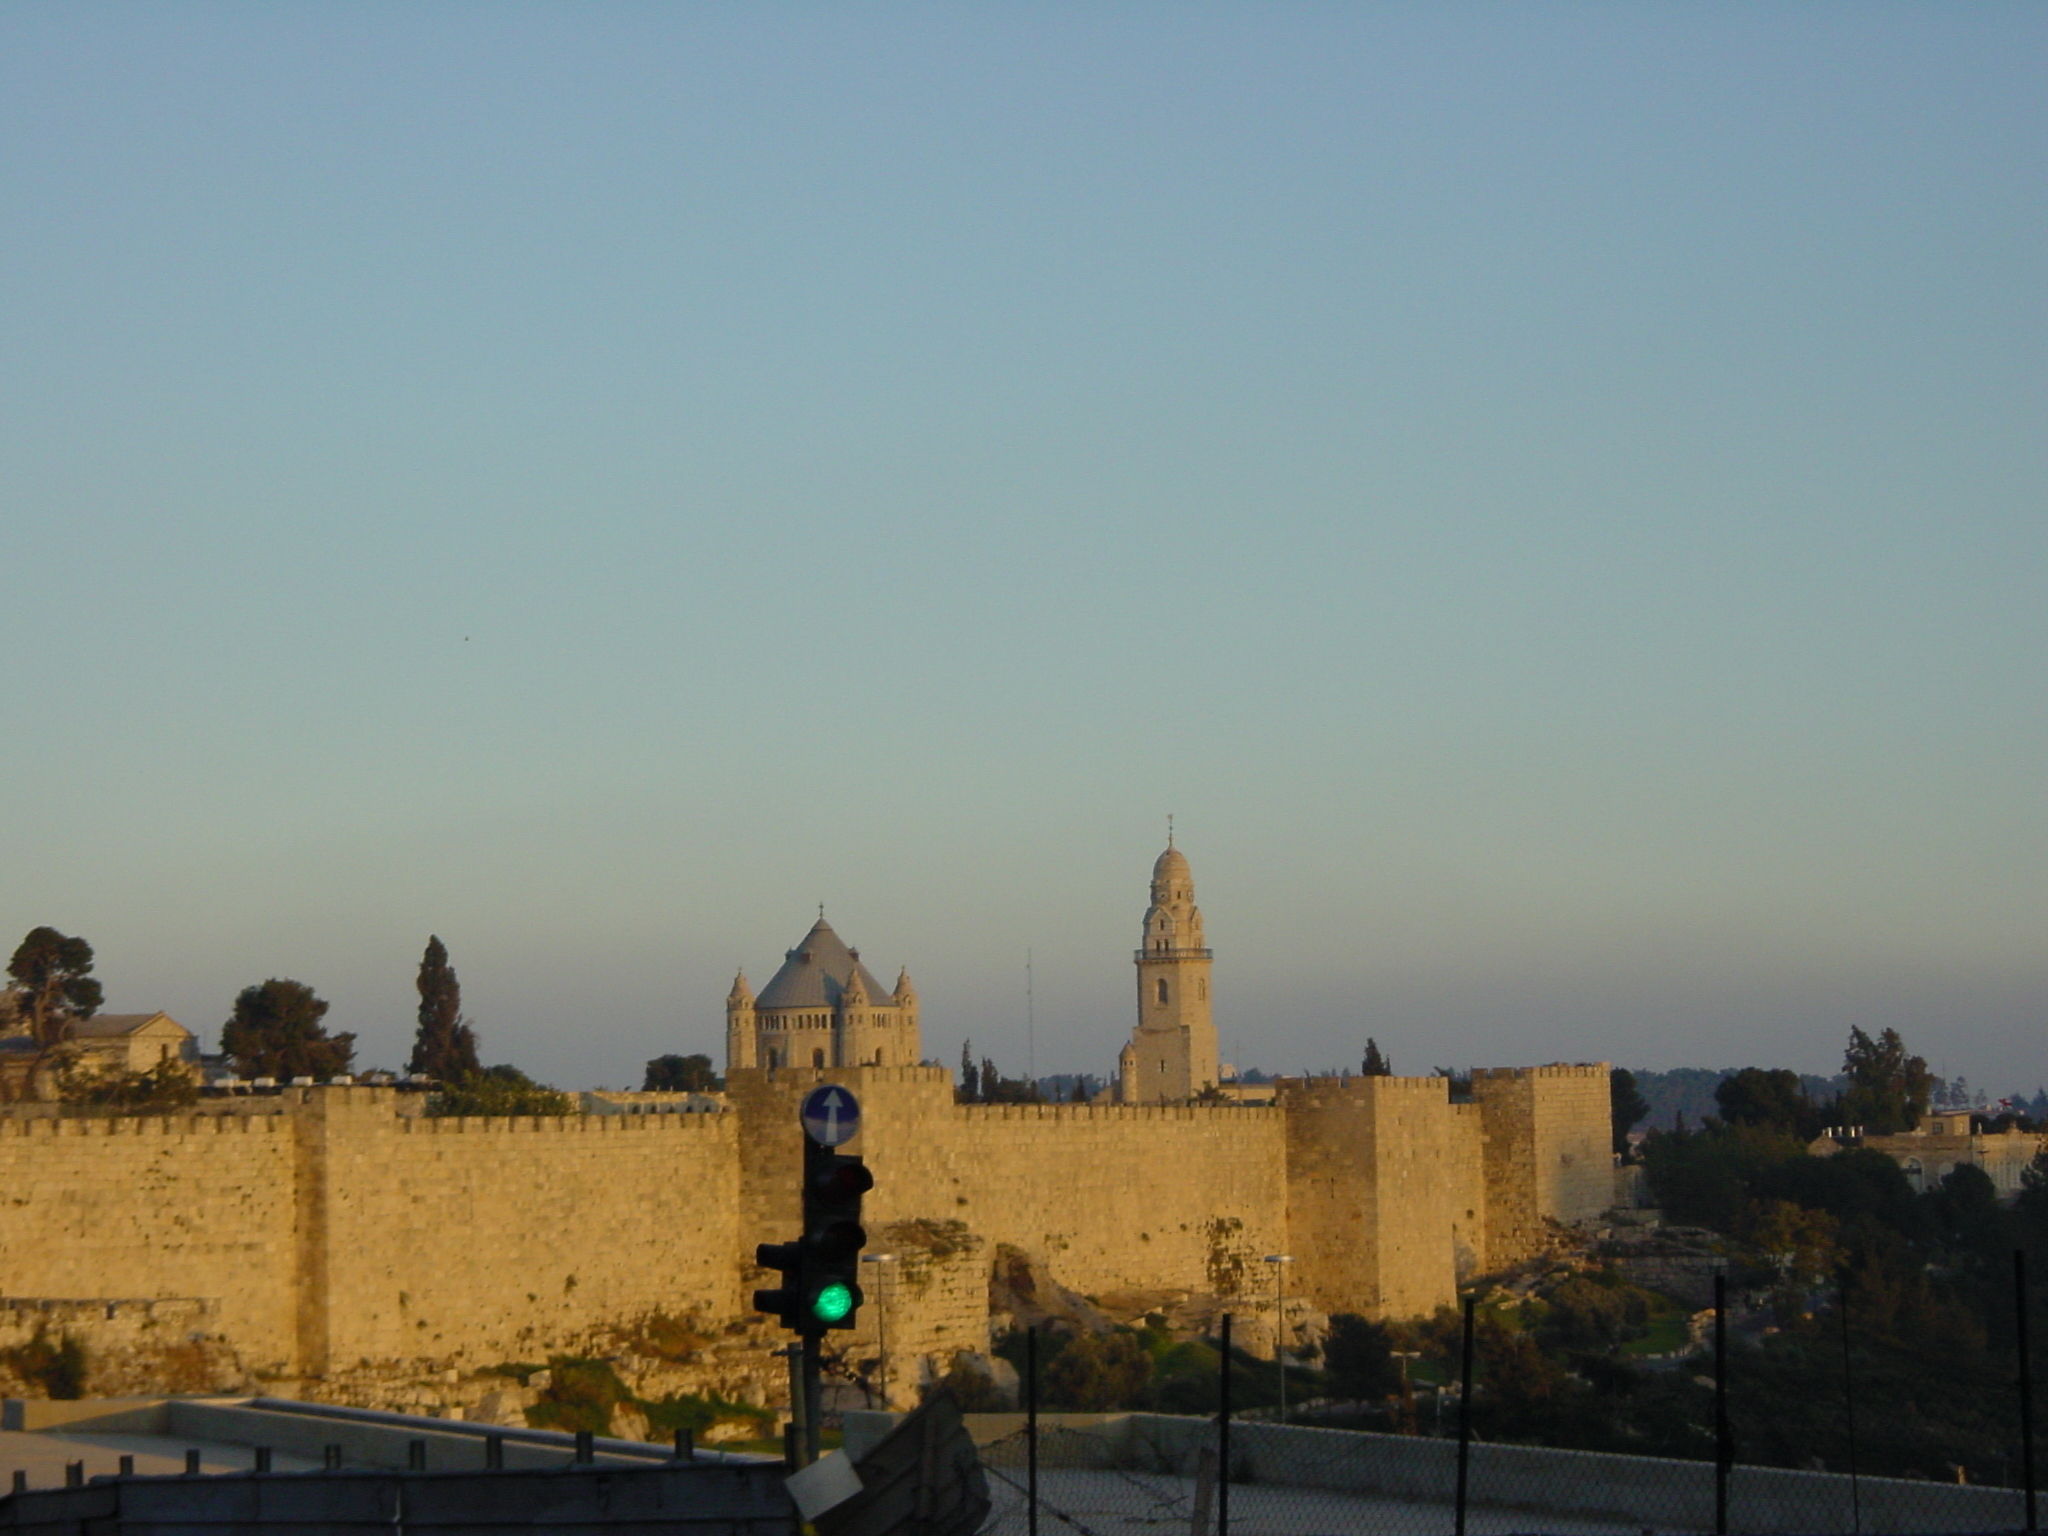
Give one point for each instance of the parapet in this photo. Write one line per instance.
(55, 1127)
(1310, 1092)
(1578, 1069)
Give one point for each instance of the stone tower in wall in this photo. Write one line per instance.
(1172, 1054)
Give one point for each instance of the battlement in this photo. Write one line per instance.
(1125, 1114)
(54, 1127)
(849, 1076)
(693, 1123)
(1555, 1069)
(1312, 1093)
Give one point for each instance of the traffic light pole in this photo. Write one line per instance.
(820, 1271)
(814, 1407)
(797, 1417)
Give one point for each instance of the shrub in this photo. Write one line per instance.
(504, 1091)
(60, 1369)
(581, 1394)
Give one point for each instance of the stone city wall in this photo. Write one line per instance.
(198, 1206)
(1546, 1153)
(1374, 1192)
(1110, 1199)
(327, 1229)
(489, 1240)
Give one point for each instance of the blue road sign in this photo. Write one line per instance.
(831, 1115)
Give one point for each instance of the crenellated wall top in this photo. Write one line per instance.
(1580, 1069)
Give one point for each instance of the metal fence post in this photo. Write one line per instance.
(1849, 1403)
(1465, 1413)
(1724, 1445)
(1223, 1437)
(2019, 1301)
(1031, 1428)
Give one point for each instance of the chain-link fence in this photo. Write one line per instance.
(1851, 1440)
(1153, 1472)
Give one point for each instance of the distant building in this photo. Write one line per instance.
(822, 1009)
(104, 1045)
(1172, 1053)
(1943, 1142)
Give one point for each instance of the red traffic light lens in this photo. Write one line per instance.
(843, 1181)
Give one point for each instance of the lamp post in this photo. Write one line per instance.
(881, 1321)
(1407, 1389)
(1280, 1324)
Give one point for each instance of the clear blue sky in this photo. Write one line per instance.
(1551, 497)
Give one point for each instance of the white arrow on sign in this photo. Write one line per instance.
(830, 1115)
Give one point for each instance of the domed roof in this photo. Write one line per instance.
(816, 972)
(1171, 865)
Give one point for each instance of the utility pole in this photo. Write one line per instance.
(1030, 1026)
(881, 1321)
(1280, 1323)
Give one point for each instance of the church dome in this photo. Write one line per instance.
(1172, 866)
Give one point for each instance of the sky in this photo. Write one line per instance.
(1550, 498)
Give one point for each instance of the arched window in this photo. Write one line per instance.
(817, 1058)
(1202, 991)
(1162, 989)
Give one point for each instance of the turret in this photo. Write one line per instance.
(740, 1050)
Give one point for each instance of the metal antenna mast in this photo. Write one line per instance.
(1030, 1025)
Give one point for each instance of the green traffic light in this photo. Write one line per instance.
(832, 1303)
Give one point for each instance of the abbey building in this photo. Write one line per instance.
(822, 1009)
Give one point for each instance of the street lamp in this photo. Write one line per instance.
(1280, 1324)
(1407, 1390)
(881, 1321)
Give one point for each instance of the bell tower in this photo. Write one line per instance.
(1172, 1054)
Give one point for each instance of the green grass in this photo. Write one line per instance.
(1667, 1333)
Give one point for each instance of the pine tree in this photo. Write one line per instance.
(52, 984)
(50, 987)
(970, 1075)
(1888, 1087)
(681, 1074)
(275, 1031)
(1376, 1065)
(445, 1047)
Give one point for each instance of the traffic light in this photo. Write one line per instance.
(832, 1240)
(786, 1302)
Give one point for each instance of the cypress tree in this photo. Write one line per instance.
(445, 1047)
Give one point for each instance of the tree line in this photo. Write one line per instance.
(276, 1029)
